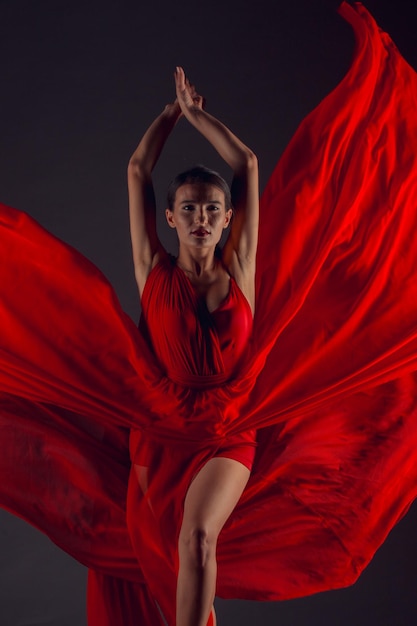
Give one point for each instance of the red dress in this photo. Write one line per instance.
(328, 377)
(197, 349)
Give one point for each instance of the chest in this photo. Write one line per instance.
(189, 328)
(211, 292)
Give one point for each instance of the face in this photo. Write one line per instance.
(199, 214)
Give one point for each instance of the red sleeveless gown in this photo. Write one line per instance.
(327, 377)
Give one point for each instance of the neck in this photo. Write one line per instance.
(197, 262)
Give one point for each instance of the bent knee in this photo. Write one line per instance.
(198, 545)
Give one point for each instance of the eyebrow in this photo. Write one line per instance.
(207, 202)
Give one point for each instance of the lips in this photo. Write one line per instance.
(200, 232)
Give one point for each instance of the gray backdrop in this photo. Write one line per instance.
(80, 82)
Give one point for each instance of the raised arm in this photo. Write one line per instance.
(146, 246)
(240, 250)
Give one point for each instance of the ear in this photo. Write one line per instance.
(228, 218)
(170, 218)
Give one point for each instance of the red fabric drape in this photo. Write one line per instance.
(329, 378)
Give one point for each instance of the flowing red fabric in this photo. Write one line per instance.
(328, 378)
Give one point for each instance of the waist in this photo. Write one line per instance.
(197, 381)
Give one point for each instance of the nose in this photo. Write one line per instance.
(201, 216)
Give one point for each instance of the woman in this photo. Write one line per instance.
(328, 377)
(200, 210)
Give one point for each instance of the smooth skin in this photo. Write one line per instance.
(199, 216)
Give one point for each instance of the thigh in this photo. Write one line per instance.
(240, 447)
(214, 493)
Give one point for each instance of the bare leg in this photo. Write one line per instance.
(211, 498)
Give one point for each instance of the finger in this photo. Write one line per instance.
(200, 102)
(180, 77)
(191, 86)
(179, 73)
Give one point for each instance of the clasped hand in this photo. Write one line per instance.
(187, 96)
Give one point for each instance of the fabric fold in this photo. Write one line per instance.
(328, 379)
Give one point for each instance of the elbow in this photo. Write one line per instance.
(135, 169)
(248, 163)
(251, 160)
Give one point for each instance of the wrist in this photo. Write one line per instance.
(194, 113)
(172, 111)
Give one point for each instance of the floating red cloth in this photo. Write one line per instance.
(329, 378)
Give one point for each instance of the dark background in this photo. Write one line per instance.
(80, 81)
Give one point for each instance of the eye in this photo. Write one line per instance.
(213, 207)
(188, 207)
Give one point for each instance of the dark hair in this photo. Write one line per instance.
(198, 174)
